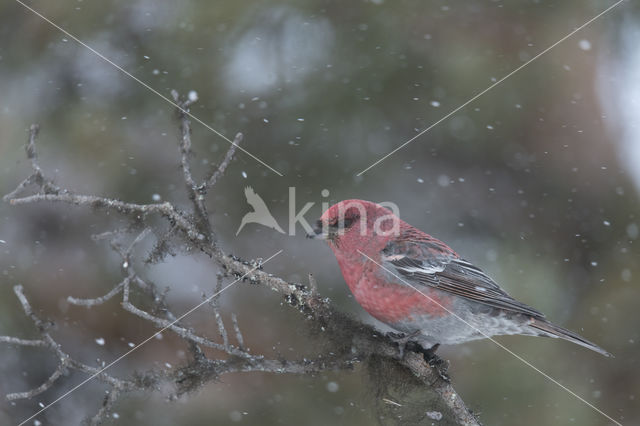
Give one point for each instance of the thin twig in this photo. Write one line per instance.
(107, 406)
(166, 209)
(65, 361)
(236, 328)
(99, 300)
(215, 304)
(141, 236)
(37, 178)
(62, 368)
(219, 172)
(185, 144)
(181, 331)
(21, 342)
(196, 196)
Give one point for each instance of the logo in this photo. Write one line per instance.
(260, 214)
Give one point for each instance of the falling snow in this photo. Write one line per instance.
(584, 44)
(333, 387)
(434, 415)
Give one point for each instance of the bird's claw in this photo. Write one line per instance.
(402, 340)
(440, 365)
(396, 336)
(405, 343)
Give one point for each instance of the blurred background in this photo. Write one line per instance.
(536, 182)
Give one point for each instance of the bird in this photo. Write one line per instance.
(419, 286)
(260, 213)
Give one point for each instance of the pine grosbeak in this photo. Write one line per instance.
(417, 285)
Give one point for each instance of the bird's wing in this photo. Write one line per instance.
(425, 261)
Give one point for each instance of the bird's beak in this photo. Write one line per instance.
(317, 232)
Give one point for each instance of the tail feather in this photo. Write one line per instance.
(553, 330)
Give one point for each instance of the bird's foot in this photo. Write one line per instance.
(402, 340)
(440, 365)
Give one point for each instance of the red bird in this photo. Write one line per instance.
(417, 285)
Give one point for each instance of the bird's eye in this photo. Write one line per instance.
(349, 221)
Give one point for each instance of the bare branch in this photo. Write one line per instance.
(186, 334)
(19, 189)
(26, 307)
(236, 328)
(65, 361)
(219, 172)
(196, 195)
(351, 341)
(215, 304)
(429, 376)
(36, 178)
(21, 342)
(138, 210)
(141, 236)
(97, 203)
(185, 143)
(125, 255)
(184, 379)
(365, 339)
(107, 406)
(62, 368)
(102, 299)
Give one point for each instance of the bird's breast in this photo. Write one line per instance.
(395, 301)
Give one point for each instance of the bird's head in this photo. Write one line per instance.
(353, 225)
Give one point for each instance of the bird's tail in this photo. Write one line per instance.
(552, 330)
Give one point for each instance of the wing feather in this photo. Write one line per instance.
(426, 261)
